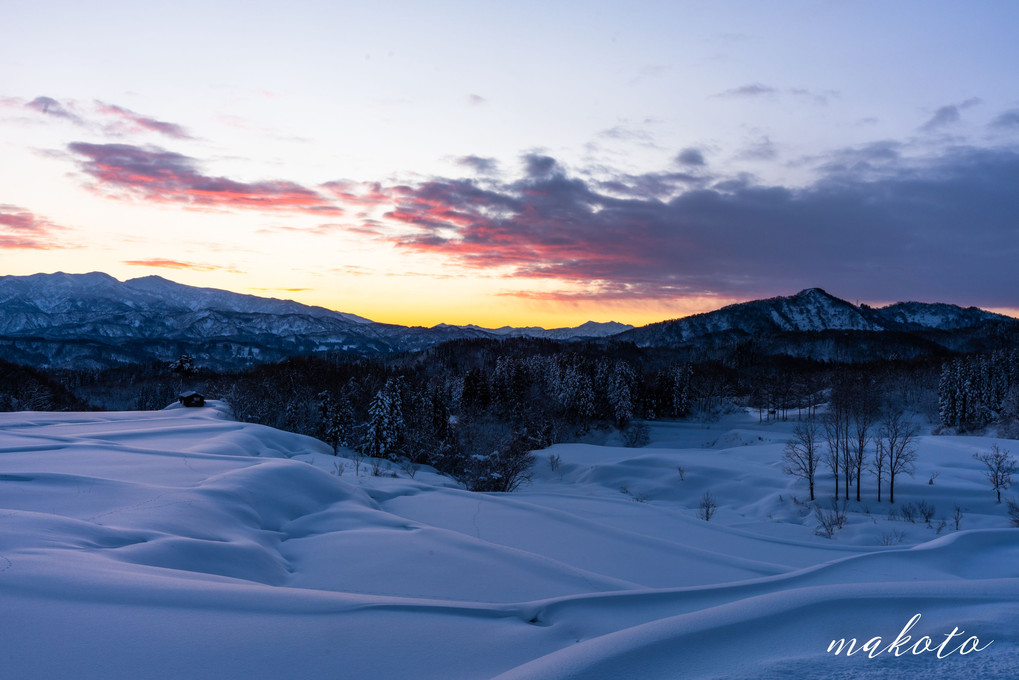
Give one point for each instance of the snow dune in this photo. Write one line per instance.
(182, 544)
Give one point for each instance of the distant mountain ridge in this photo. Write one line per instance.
(815, 324)
(811, 310)
(93, 321)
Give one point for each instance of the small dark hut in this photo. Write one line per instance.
(191, 399)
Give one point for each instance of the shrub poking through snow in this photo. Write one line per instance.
(707, 507)
(831, 520)
(1013, 512)
(636, 436)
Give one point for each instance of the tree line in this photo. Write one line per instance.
(475, 409)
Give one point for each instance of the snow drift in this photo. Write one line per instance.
(180, 543)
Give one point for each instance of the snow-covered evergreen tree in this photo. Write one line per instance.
(681, 390)
(621, 393)
(947, 395)
(385, 423)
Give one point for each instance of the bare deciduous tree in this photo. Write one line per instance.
(899, 436)
(802, 455)
(878, 463)
(863, 420)
(1000, 468)
(836, 433)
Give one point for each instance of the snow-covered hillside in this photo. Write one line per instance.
(809, 312)
(182, 544)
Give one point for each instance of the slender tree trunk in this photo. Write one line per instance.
(859, 475)
(849, 469)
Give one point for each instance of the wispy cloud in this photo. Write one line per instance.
(130, 121)
(162, 263)
(51, 107)
(317, 230)
(98, 117)
(281, 290)
(21, 229)
(154, 174)
(761, 149)
(628, 133)
(761, 91)
(751, 90)
(948, 114)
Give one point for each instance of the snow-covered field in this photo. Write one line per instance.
(181, 544)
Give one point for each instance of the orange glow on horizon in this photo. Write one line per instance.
(515, 311)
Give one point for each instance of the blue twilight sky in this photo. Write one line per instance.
(517, 163)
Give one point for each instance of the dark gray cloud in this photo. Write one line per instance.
(479, 164)
(863, 159)
(949, 114)
(1007, 119)
(692, 157)
(539, 165)
(946, 115)
(943, 229)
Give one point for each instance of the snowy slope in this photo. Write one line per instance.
(182, 544)
(918, 315)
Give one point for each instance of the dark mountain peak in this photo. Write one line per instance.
(151, 280)
(815, 294)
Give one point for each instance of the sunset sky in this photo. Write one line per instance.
(524, 163)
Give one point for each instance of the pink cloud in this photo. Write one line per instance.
(20, 229)
(135, 122)
(161, 176)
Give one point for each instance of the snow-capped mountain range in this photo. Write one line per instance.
(94, 320)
